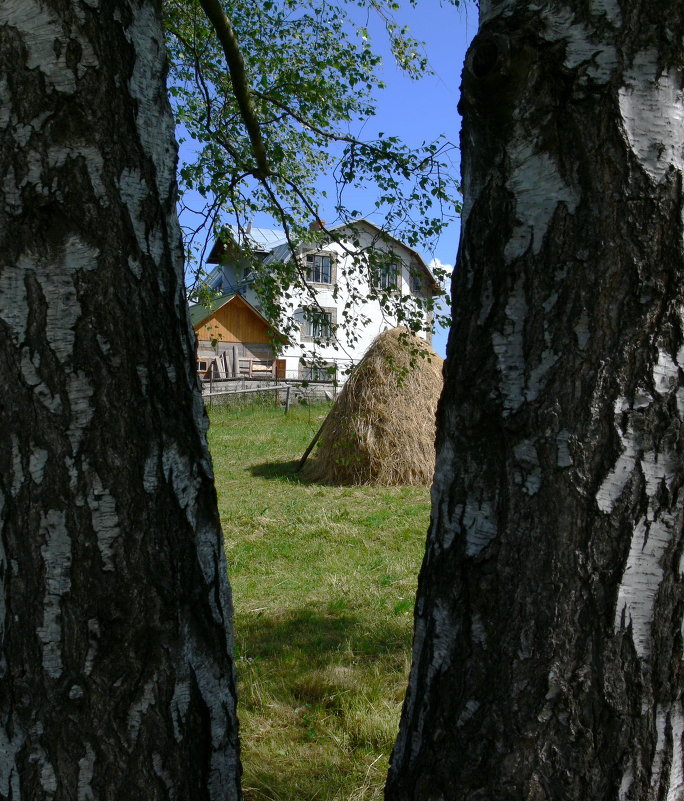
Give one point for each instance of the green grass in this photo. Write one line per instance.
(323, 583)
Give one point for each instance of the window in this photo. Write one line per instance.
(201, 366)
(319, 268)
(320, 325)
(317, 372)
(416, 282)
(388, 276)
(315, 323)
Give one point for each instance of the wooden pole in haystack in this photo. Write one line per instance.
(312, 445)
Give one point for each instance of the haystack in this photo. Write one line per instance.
(381, 429)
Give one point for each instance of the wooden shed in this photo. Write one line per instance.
(235, 340)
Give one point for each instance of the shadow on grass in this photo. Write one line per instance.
(280, 471)
(312, 658)
(304, 634)
(313, 636)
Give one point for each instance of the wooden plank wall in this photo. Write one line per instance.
(234, 322)
(248, 350)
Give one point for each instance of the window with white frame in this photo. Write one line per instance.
(319, 268)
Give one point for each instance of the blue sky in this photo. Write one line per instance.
(424, 109)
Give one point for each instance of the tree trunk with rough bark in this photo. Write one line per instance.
(116, 673)
(547, 658)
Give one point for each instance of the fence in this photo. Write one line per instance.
(240, 392)
(224, 367)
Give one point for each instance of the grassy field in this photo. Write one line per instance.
(323, 582)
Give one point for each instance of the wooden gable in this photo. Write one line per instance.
(234, 321)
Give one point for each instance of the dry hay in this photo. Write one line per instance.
(381, 429)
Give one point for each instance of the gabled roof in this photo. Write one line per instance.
(199, 312)
(385, 236)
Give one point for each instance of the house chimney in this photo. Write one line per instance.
(316, 225)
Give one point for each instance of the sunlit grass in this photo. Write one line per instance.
(323, 582)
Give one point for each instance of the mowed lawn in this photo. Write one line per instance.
(323, 585)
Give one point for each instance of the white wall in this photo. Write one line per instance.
(344, 350)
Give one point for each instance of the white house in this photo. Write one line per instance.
(321, 347)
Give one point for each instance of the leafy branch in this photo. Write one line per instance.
(301, 74)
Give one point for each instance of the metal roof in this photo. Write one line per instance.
(265, 238)
(280, 253)
(259, 239)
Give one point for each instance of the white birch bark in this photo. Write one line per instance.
(116, 674)
(548, 651)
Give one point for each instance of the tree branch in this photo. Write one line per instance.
(236, 67)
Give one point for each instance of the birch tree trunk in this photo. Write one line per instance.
(116, 675)
(548, 643)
